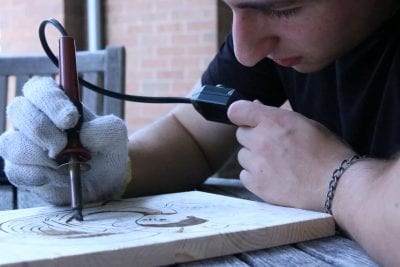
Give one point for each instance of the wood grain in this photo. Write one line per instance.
(156, 230)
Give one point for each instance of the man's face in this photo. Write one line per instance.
(306, 35)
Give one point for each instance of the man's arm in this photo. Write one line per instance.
(177, 152)
(367, 206)
(289, 160)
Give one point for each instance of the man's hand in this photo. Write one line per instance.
(39, 119)
(287, 159)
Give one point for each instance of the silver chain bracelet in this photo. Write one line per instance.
(335, 179)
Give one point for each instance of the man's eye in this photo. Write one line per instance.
(285, 13)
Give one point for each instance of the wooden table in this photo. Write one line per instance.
(331, 251)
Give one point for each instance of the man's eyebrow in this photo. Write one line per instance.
(265, 5)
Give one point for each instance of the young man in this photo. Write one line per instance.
(336, 61)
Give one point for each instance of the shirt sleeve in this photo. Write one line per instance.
(259, 82)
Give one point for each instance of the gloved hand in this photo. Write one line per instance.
(39, 119)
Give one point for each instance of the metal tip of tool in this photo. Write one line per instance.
(78, 215)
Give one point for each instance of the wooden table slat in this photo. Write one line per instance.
(281, 256)
(224, 261)
(337, 250)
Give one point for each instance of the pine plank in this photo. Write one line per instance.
(155, 230)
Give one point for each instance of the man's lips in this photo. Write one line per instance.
(288, 62)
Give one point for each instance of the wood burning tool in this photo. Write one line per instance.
(74, 156)
(211, 102)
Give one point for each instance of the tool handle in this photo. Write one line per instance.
(69, 83)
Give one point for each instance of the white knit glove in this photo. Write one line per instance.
(39, 119)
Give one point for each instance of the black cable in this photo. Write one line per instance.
(93, 87)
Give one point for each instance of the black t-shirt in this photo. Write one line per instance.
(357, 96)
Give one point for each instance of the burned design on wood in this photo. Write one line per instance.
(189, 221)
(109, 218)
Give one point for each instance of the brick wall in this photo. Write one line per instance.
(168, 42)
(19, 23)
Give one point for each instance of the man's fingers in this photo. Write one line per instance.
(45, 94)
(243, 158)
(245, 113)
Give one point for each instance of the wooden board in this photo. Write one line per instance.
(156, 230)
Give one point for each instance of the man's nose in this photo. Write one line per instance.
(253, 38)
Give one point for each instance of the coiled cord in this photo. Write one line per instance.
(93, 87)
